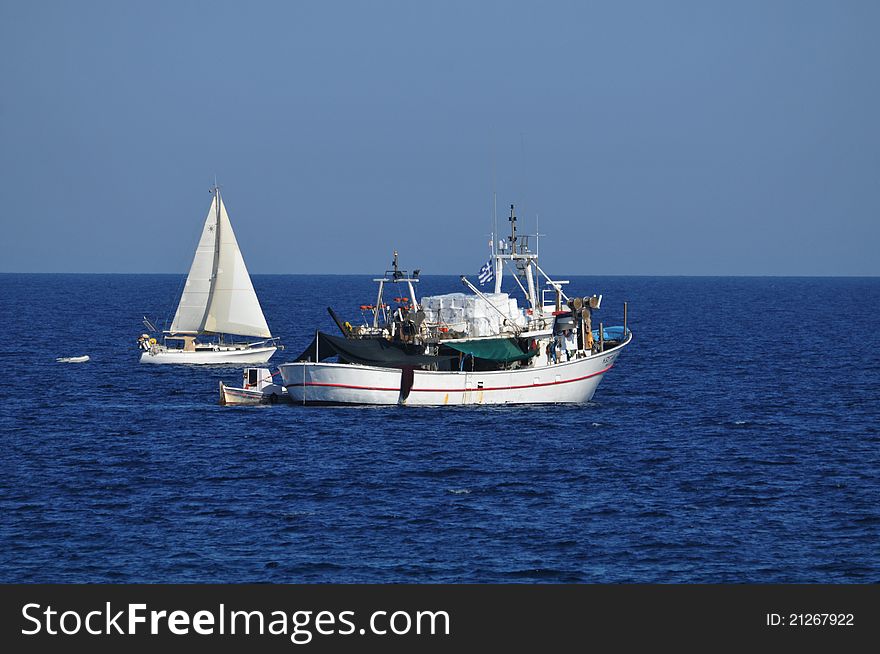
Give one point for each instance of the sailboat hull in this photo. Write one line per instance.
(219, 356)
(570, 382)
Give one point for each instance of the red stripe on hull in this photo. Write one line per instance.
(509, 388)
(452, 390)
(359, 388)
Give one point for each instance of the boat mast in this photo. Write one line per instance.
(512, 220)
(522, 255)
(496, 259)
(398, 275)
(378, 306)
(216, 235)
(215, 190)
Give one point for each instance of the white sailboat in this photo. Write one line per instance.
(218, 301)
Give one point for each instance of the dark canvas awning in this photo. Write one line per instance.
(367, 351)
(502, 350)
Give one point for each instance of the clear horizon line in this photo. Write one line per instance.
(373, 274)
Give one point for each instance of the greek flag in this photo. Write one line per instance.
(486, 274)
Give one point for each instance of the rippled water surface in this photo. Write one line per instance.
(735, 440)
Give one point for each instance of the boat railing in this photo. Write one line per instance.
(274, 340)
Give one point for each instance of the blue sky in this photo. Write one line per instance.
(696, 138)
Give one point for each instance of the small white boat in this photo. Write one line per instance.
(81, 359)
(258, 387)
(218, 300)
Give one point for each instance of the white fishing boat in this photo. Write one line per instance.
(218, 306)
(257, 387)
(460, 349)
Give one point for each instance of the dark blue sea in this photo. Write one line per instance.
(736, 440)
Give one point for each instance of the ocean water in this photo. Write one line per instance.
(736, 440)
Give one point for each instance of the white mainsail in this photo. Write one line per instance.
(219, 296)
(197, 291)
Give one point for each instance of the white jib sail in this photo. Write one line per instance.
(194, 301)
(233, 307)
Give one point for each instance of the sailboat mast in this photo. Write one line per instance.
(216, 264)
(216, 233)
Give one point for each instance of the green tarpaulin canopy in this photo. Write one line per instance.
(493, 349)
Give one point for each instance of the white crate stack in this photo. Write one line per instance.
(472, 314)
